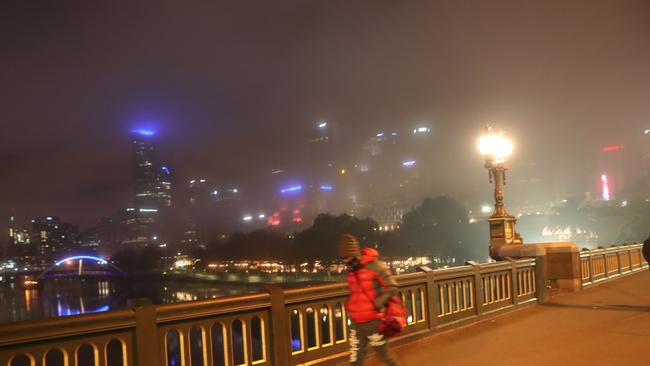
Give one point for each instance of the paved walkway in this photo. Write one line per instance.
(608, 324)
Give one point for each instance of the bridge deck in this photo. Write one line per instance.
(608, 324)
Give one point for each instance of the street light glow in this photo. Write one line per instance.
(495, 146)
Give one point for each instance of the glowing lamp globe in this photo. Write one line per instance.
(495, 147)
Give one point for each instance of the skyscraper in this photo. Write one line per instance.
(199, 211)
(153, 180)
(153, 183)
(213, 212)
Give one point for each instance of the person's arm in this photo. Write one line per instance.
(389, 286)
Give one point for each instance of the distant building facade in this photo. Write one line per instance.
(53, 238)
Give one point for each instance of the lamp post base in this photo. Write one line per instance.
(503, 231)
(562, 260)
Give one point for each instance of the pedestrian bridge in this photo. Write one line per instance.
(80, 266)
(499, 313)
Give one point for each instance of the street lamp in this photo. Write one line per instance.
(496, 148)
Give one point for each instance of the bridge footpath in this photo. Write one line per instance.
(604, 325)
(501, 313)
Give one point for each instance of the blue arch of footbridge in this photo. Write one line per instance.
(98, 260)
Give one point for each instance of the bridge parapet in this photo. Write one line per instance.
(306, 325)
(281, 327)
(599, 265)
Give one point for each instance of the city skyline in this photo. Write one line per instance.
(232, 103)
(271, 189)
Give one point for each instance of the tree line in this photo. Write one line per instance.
(439, 227)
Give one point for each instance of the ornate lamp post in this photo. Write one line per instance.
(496, 149)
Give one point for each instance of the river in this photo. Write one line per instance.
(72, 296)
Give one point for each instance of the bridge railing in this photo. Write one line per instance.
(307, 325)
(599, 265)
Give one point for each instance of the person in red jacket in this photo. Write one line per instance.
(371, 286)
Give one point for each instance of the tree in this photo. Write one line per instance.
(637, 227)
(259, 244)
(137, 260)
(439, 227)
(320, 241)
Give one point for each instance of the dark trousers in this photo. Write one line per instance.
(363, 335)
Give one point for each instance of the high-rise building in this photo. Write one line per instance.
(153, 185)
(200, 193)
(108, 234)
(18, 235)
(394, 174)
(321, 157)
(214, 211)
(321, 133)
(53, 237)
(152, 180)
(89, 241)
(140, 226)
(611, 177)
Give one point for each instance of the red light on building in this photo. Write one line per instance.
(605, 187)
(274, 220)
(612, 148)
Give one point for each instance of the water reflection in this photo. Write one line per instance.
(73, 296)
(63, 310)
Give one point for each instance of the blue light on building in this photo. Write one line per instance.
(144, 132)
(291, 189)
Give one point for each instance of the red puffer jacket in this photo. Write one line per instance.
(371, 285)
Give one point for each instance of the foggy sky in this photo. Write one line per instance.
(234, 87)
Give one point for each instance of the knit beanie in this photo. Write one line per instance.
(349, 247)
